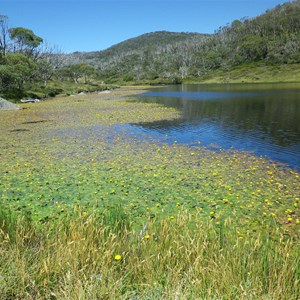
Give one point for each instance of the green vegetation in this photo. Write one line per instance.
(89, 212)
(30, 69)
(252, 73)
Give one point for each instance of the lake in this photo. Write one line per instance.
(260, 118)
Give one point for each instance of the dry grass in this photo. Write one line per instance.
(180, 258)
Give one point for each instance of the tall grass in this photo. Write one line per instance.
(88, 257)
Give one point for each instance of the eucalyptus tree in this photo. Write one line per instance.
(24, 40)
(17, 71)
(4, 36)
(77, 71)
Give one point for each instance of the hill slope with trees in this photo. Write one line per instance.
(149, 56)
(272, 38)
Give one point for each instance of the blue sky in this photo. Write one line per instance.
(90, 25)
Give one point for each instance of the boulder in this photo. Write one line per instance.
(6, 105)
(105, 92)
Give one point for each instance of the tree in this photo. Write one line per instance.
(49, 60)
(78, 71)
(17, 70)
(87, 71)
(25, 41)
(3, 35)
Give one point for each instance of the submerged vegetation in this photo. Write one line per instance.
(89, 212)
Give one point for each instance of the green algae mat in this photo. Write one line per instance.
(67, 152)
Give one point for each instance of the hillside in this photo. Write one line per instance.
(138, 57)
(152, 40)
(270, 39)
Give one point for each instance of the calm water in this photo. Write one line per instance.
(260, 118)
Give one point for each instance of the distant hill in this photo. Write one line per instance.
(153, 40)
(271, 38)
(129, 59)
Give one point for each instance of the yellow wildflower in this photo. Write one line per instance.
(118, 257)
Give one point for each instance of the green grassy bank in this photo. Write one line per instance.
(252, 73)
(54, 88)
(90, 212)
(257, 72)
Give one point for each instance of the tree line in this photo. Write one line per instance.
(28, 64)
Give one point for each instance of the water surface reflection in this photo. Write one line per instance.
(264, 119)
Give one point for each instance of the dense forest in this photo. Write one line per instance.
(271, 39)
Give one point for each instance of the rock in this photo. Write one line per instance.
(30, 100)
(6, 105)
(105, 92)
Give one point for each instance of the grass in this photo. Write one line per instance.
(54, 88)
(181, 258)
(253, 73)
(88, 212)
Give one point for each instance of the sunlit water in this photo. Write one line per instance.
(260, 118)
